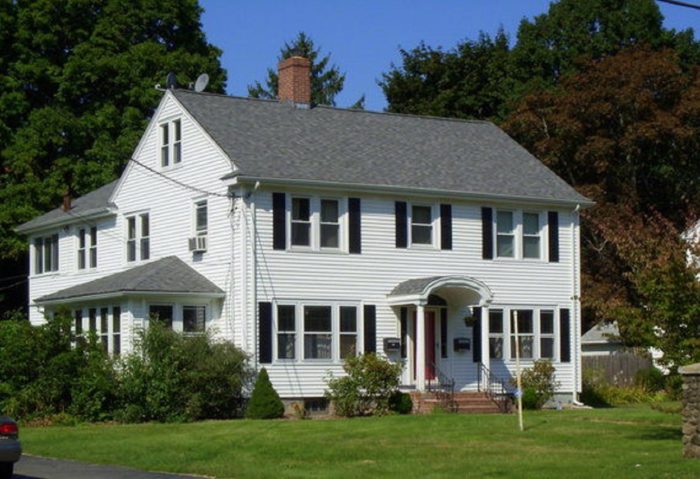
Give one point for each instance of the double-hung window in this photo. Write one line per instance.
(547, 334)
(318, 335)
(201, 219)
(526, 334)
(116, 330)
(505, 234)
(531, 235)
(194, 319)
(46, 254)
(421, 225)
(301, 222)
(170, 143)
(104, 328)
(92, 316)
(286, 331)
(138, 237)
(330, 223)
(495, 334)
(87, 248)
(348, 331)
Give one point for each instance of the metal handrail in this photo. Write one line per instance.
(495, 389)
(444, 390)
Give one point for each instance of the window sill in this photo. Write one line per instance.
(45, 275)
(330, 251)
(171, 167)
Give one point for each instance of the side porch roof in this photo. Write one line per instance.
(169, 275)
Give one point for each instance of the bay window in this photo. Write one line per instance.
(104, 328)
(194, 319)
(162, 314)
(116, 330)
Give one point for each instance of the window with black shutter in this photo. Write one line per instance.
(487, 233)
(400, 211)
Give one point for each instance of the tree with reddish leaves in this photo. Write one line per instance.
(625, 131)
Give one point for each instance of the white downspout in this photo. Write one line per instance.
(254, 234)
(575, 297)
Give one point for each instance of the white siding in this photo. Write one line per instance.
(369, 277)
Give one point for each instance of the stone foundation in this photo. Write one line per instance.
(691, 410)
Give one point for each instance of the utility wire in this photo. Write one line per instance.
(679, 3)
(7, 278)
(13, 285)
(180, 183)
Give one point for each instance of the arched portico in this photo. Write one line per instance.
(462, 293)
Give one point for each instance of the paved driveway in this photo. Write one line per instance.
(32, 467)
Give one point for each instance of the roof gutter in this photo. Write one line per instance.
(93, 214)
(235, 179)
(118, 294)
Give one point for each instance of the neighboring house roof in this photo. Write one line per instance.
(166, 275)
(86, 206)
(267, 139)
(602, 333)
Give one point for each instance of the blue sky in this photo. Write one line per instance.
(363, 36)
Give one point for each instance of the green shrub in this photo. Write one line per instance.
(597, 392)
(172, 377)
(366, 388)
(264, 403)
(674, 387)
(531, 400)
(651, 379)
(94, 389)
(401, 403)
(538, 384)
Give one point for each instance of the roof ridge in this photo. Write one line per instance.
(340, 109)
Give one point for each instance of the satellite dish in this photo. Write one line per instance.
(201, 83)
(171, 81)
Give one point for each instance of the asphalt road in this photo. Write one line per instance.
(33, 467)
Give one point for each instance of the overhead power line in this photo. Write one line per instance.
(679, 3)
(180, 183)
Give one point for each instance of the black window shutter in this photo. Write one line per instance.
(553, 222)
(400, 210)
(279, 236)
(370, 328)
(446, 226)
(265, 332)
(565, 336)
(404, 331)
(355, 226)
(487, 233)
(476, 336)
(443, 333)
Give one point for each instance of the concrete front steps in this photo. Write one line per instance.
(462, 402)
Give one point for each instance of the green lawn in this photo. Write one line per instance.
(616, 443)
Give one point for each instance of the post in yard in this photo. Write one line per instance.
(519, 390)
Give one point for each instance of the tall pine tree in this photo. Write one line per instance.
(326, 79)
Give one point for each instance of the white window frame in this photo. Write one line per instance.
(315, 224)
(196, 307)
(523, 235)
(279, 331)
(167, 158)
(86, 238)
(513, 234)
(300, 332)
(496, 335)
(342, 333)
(508, 333)
(198, 203)
(338, 224)
(553, 335)
(41, 256)
(433, 225)
(139, 239)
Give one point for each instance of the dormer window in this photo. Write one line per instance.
(171, 143)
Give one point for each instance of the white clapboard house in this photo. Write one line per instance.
(306, 234)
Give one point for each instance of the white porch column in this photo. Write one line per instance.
(485, 356)
(420, 347)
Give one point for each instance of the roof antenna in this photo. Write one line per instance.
(202, 82)
(171, 81)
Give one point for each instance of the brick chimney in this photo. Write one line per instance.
(295, 80)
(67, 201)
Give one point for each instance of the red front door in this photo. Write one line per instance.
(429, 345)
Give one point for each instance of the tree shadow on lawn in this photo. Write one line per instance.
(660, 433)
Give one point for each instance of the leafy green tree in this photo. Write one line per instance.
(326, 79)
(76, 89)
(473, 80)
(264, 403)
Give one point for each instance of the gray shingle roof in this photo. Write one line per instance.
(602, 333)
(90, 203)
(273, 140)
(413, 286)
(166, 275)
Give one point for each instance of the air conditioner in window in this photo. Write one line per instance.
(198, 244)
